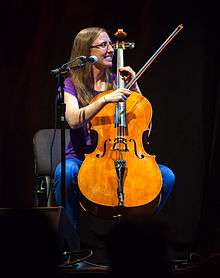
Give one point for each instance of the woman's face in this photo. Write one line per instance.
(103, 50)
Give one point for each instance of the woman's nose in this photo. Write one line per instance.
(110, 48)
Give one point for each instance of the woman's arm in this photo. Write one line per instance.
(76, 116)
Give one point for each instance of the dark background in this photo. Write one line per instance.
(182, 86)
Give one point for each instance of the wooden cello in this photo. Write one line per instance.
(120, 178)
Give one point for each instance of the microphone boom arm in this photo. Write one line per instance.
(65, 68)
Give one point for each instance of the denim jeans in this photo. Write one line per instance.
(71, 202)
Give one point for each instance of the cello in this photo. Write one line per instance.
(119, 178)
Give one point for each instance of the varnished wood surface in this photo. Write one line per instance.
(142, 179)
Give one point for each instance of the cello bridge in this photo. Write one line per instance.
(120, 144)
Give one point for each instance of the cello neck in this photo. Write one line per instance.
(120, 63)
(120, 107)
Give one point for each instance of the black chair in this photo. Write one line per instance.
(47, 154)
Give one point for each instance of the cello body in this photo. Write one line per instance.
(142, 181)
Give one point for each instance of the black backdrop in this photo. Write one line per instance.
(182, 86)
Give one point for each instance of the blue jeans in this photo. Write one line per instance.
(71, 203)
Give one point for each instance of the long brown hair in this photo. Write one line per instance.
(83, 78)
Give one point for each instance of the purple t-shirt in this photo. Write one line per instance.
(80, 140)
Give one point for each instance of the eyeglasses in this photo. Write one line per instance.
(102, 45)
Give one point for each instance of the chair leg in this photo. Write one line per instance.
(40, 194)
(50, 194)
(43, 195)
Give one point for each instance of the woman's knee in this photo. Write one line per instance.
(72, 169)
(167, 176)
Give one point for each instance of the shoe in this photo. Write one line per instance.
(73, 257)
(85, 266)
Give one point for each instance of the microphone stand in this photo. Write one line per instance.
(59, 74)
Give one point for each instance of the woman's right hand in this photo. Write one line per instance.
(117, 95)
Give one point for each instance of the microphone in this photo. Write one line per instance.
(90, 59)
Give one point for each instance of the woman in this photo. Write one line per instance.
(79, 89)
